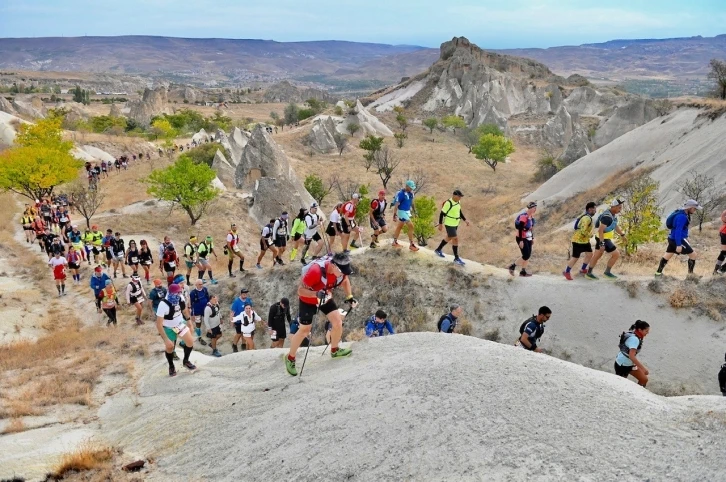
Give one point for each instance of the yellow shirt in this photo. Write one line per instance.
(583, 233)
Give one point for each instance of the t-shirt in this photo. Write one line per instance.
(349, 210)
(608, 219)
(335, 217)
(59, 265)
(534, 331)
(238, 305)
(313, 279)
(524, 226)
(583, 233)
(209, 320)
(248, 323)
(311, 224)
(178, 319)
(622, 359)
(404, 200)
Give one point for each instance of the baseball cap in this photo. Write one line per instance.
(175, 289)
(192, 238)
(458, 193)
(157, 282)
(313, 205)
(284, 214)
(381, 192)
(692, 203)
(532, 205)
(342, 261)
(98, 269)
(411, 184)
(356, 195)
(208, 238)
(244, 290)
(616, 202)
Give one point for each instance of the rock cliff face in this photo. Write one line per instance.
(286, 92)
(265, 170)
(30, 107)
(322, 135)
(225, 171)
(153, 103)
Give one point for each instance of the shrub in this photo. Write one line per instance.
(303, 114)
(547, 166)
(683, 297)
(493, 335)
(86, 457)
(204, 153)
(641, 214)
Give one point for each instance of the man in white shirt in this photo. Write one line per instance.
(312, 222)
(245, 324)
(59, 265)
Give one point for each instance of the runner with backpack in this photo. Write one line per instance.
(312, 222)
(350, 228)
(297, 231)
(720, 266)
(276, 319)
(524, 224)
(377, 323)
(607, 226)
(172, 322)
(198, 299)
(677, 222)
(402, 206)
(204, 249)
(532, 330)
(448, 322)
(631, 342)
(319, 279)
(450, 217)
(267, 244)
(191, 257)
(581, 241)
(136, 296)
(232, 249)
(280, 235)
(212, 320)
(377, 215)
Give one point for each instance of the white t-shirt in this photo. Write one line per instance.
(311, 225)
(178, 319)
(335, 216)
(242, 318)
(58, 261)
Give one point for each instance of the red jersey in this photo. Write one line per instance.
(348, 210)
(316, 279)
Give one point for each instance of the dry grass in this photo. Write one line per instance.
(87, 457)
(683, 297)
(16, 425)
(493, 335)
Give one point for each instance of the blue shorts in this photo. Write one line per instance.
(403, 215)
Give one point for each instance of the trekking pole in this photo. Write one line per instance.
(310, 337)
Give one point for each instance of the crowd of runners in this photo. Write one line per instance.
(185, 310)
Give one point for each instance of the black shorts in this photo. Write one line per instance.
(169, 269)
(133, 300)
(47, 219)
(95, 250)
(109, 254)
(451, 231)
(29, 228)
(297, 236)
(216, 331)
(316, 238)
(238, 327)
(526, 248)
(330, 231)
(381, 222)
(280, 333)
(685, 247)
(346, 227)
(263, 245)
(723, 238)
(579, 248)
(607, 244)
(307, 312)
(74, 266)
(281, 241)
(623, 371)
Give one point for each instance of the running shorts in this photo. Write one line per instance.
(330, 230)
(403, 215)
(203, 261)
(249, 335)
(316, 237)
(526, 248)
(216, 331)
(297, 236)
(381, 222)
(685, 247)
(623, 371)
(723, 239)
(281, 241)
(579, 248)
(307, 312)
(451, 231)
(606, 244)
(346, 227)
(74, 266)
(136, 299)
(189, 264)
(173, 333)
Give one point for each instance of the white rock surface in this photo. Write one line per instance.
(200, 136)
(225, 171)
(322, 134)
(97, 153)
(369, 124)
(7, 128)
(396, 98)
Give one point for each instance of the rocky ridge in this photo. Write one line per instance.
(153, 103)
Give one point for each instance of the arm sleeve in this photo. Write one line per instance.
(461, 215)
(389, 327)
(274, 229)
(369, 329)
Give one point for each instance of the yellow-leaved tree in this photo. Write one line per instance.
(39, 161)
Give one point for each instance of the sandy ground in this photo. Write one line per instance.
(415, 407)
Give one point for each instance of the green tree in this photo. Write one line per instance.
(204, 153)
(423, 218)
(364, 206)
(454, 122)
(220, 121)
(640, 218)
(402, 122)
(338, 110)
(371, 144)
(39, 161)
(703, 189)
(316, 105)
(400, 138)
(303, 114)
(384, 163)
(718, 75)
(317, 189)
(493, 149)
(340, 142)
(184, 184)
(291, 113)
(432, 123)
(274, 116)
(162, 128)
(352, 128)
(104, 123)
(470, 135)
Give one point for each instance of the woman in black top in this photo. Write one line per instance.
(145, 259)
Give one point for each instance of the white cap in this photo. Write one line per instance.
(692, 203)
(617, 202)
(356, 196)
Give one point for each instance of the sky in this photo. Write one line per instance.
(490, 24)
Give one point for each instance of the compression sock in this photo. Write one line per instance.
(229, 267)
(719, 261)
(584, 266)
(293, 253)
(58, 288)
(63, 286)
(691, 265)
(241, 265)
(188, 281)
(333, 350)
(198, 332)
(456, 251)
(210, 274)
(187, 352)
(607, 270)
(662, 265)
(291, 358)
(304, 252)
(170, 359)
(200, 275)
(145, 276)
(568, 269)
(441, 245)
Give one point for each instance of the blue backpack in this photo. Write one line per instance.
(577, 221)
(672, 217)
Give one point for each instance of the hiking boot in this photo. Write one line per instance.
(189, 365)
(172, 371)
(258, 266)
(373, 245)
(512, 268)
(175, 357)
(591, 276)
(609, 275)
(439, 254)
(201, 341)
(524, 274)
(396, 244)
(216, 353)
(567, 275)
(354, 245)
(234, 348)
(231, 275)
(214, 281)
(342, 352)
(459, 262)
(413, 247)
(290, 367)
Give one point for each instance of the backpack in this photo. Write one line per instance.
(320, 262)
(294, 326)
(577, 221)
(517, 224)
(672, 217)
(624, 349)
(441, 321)
(523, 326)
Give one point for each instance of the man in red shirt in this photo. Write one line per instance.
(315, 293)
(720, 266)
(377, 215)
(350, 228)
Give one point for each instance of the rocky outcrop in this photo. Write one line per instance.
(564, 133)
(201, 136)
(369, 124)
(97, 153)
(6, 106)
(225, 171)
(8, 128)
(28, 107)
(186, 93)
(633, 114)
(322, 135)
(75, 111)
(115, 111)
(237, 142)
(153, 103)
(286, 92)
(590, 102)
(232, 149)
(265, 170)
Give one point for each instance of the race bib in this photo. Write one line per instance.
(134, 260)
(172, 264)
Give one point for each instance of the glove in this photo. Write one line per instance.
(351, 300)
(321, 294)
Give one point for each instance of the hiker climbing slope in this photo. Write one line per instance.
(677, 222)
(450, 217)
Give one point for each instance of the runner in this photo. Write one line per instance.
(315, 293)
(104, 170)
(204, 249)
(377, 323)
(232, 249)
(39, 231)
(162, 249)
(402, 207)
(581, 241)
(132, 257)
(451, 216)
(524, 223)
(631, 342)
(607, 226)
(97, 283)
(96, 243)
(448, 322)
(312, 221)
(59, 265)
(297, 231)
(56, 246)
(335, 228)
(191, 256)
(172, 322)
(198, 298)
(238, 306)
(118, 253)
(377, 217)
(157, 293)
(279, 314)
(74, 264)
(26, 220)
(678, 244)
(46, 212)
(720, 265)
(267, 244)
(245, 323)
(532, 330)
(280, 235)
(136, 296)
(75, 240)
(212, 320)
(109, 302)
(350, 228)
(108, 252)
(169, 262)
(145, 259)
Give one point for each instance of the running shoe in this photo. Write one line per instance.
(567, 275)
(342, 352)
(190, 366)
(354, 245)
(258, 266)
(304, 261)
(658, 275)
(610, 276)
(512, 268)
(372, 246)
(290, 367)
(591, 276)
(201, 341)
(524, 274)
(214, 281)
(459, 262)
(175, 356)
(231, 275)
(216, 353)
(413, 247)
(583, 271)
(172, 371)
(280, 262)
(439, 254)
(396, 244)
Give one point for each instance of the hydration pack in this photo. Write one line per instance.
(623, 348)
(672, 217)
(577, 221)
(441, 321)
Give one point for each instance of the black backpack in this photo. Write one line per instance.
(441, 320)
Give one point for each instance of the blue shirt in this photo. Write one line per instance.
(74, 237)
(680, 228)
(448, 323)
(157, 294)
(534, 332)
(98, 283)
(622, 359)
(403, 200)
(238, 306)
(199, 300)
(372, 327)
